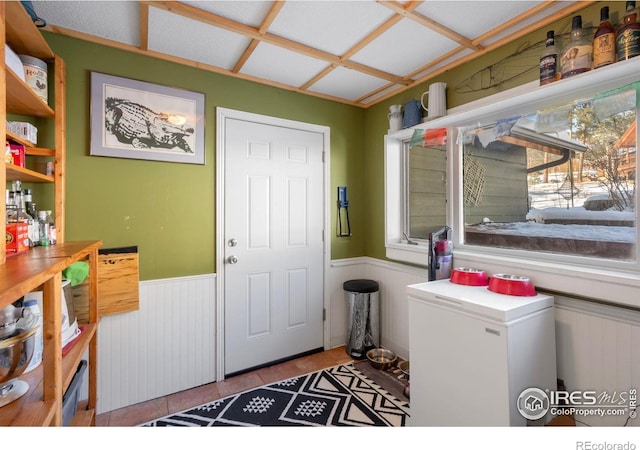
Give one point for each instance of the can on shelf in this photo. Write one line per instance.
(35, 73)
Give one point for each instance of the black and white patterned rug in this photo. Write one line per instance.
(339, 396)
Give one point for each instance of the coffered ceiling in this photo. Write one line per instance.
(357, 52)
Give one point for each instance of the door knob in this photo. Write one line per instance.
(232, 259)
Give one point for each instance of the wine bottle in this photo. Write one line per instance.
(604, 41)
(549, 70)
(577, 57)
(628, 39)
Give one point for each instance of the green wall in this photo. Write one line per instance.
(168, 209)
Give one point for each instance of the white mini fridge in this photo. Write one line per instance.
(474, 351)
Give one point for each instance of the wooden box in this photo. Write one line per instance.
(118, 284)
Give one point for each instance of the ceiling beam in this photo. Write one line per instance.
(379, 31)
(275, 9)
(396, 84)
(406, 11)
(572, 8)
(186, 62)
(144, 26)
(320, 75)
(236, 27)
(360, 45)
(506, 26)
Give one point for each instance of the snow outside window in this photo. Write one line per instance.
(540, 181)
(560, 181)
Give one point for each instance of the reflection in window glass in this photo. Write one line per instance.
(558, 182)
(426, 189)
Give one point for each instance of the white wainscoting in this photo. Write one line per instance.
(393, 279)
(167, 346)
(146, 354)
(597, 345)
(598, 349)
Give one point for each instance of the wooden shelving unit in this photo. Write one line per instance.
(41, 267)
(38, 268)
(20, 173)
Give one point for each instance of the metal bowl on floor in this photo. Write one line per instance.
(404, 367)
(381, 358)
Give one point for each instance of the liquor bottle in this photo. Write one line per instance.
(32, 210)
(13, 203)
(12, 207)
(24, 217)
(604, 41)
(52, 228)
(577, 56)
(44, 229)
(21, 211)
(30, 207)
(628, 40)
(34, 232)
(549, 70)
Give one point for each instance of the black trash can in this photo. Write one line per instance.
(364, 316)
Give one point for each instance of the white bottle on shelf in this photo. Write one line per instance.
(44, 229)
(52, 228)
(32, 317)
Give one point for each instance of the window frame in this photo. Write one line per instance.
(611, 281)
(397, 247)
(406, 189)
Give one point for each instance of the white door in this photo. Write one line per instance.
(273, 239)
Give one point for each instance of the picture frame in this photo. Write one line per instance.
(140, 120)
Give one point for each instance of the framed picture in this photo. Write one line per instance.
(139, 120)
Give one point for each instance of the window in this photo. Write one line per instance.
(540, 181)
(560, 181)
(424, 188)
(415, 191)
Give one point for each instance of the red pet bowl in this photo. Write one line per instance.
(469, 276)
(512, 285)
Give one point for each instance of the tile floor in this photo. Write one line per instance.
(159, 407)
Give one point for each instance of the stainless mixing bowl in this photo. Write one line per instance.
(9, 316)
(16, 352)
(404, 367)
(381, 358)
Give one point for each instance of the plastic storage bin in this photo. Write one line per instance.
(72, 396)
(364, 316)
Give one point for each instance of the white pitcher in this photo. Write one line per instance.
(395, 118)
(437, 105)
